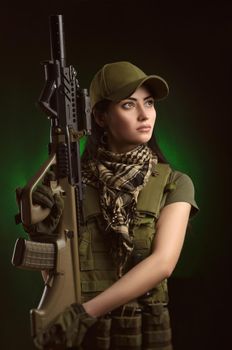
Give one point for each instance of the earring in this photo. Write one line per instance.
(103, 138)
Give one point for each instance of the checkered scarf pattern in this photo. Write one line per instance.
(119, 178)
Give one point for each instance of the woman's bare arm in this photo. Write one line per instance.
(168, 242)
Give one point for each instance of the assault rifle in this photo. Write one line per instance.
(68, 108)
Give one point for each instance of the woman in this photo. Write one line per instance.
(136, 213)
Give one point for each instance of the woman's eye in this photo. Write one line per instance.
(149, 103)
(128, 105)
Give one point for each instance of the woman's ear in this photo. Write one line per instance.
(100, 118)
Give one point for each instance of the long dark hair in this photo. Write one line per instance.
(97, 134)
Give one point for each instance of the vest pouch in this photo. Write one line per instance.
(103, 327)
(156, 328)
(97, 336)
(97, 269)
(126, 332)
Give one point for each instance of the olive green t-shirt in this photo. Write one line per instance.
(183, 191)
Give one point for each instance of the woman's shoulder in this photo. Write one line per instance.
(180, 188)
(180, 178)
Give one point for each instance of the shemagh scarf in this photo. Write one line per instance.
(119, 178)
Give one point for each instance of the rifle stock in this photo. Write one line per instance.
(68, 109)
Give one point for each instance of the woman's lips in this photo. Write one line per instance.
(144, 128)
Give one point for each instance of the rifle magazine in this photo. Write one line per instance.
(34, 255)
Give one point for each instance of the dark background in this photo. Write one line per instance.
(188, 44)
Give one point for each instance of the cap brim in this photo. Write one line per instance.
(157, 86)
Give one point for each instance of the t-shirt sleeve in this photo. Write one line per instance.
(181, 190)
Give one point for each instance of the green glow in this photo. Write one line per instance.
(82, 144)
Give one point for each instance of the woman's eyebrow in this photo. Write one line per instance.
(135, 99)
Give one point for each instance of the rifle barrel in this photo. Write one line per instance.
(57, 39)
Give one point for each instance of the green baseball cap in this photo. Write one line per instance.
(117, 81)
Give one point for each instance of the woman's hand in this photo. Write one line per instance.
(44, 231)
(68, 330)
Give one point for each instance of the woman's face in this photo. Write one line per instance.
(129, 122)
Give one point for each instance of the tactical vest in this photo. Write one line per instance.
(126, 330)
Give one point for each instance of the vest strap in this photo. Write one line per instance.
(149, 199)
(103, 333)
(92, 207)
(127, 322)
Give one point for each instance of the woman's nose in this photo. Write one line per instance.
(142, 113)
